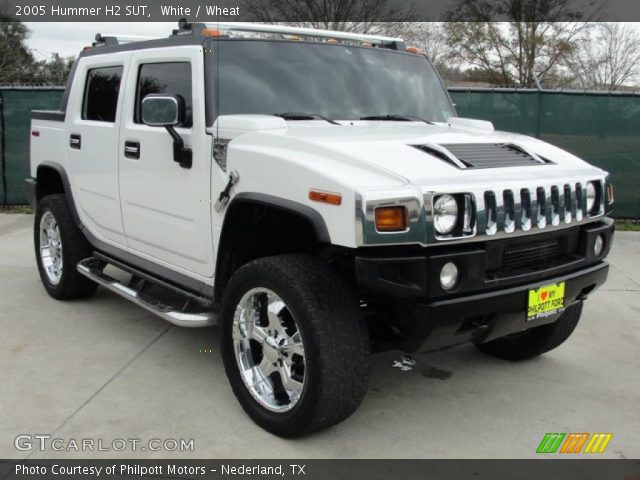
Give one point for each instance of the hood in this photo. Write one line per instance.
(420, 153)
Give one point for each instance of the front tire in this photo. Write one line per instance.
(59, 246)
(534, 342)
(294, 346)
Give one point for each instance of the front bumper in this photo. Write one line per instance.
(487, 316)
(489, 301)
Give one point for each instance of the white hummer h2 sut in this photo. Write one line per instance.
(315, 194)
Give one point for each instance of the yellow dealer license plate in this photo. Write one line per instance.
(545, 301)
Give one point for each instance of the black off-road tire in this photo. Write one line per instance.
(75, 247)
(534, 342)
(335, 338)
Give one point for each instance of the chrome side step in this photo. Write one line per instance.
(198, 316)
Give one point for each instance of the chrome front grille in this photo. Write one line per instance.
(510, 210)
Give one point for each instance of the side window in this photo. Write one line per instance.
(170, 78)
(101, 94)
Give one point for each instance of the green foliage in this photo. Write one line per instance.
(16, 60)
(17, 63)
(627, 226)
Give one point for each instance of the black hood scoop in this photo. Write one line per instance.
(483, 155)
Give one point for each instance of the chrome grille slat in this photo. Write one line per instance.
(555, 206)
(499, 200)
(581, 202)
(517, 208)
(567, 203)
(491, 221)
(509, 208)
(541, 211)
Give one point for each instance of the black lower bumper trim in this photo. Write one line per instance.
(490, 315)
(30, 188)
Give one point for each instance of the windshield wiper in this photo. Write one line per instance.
(397, 118)
(304, 116)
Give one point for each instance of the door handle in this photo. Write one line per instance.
(132, 149)
(75, 141)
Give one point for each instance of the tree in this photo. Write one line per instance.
(428, 37)
(538, 36)
(16, 60)
(54, 71)
(362, 16)
(608, 59)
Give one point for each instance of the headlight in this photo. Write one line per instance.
(591, 196)
(445, 214)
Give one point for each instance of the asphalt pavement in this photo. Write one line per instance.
(104, 369)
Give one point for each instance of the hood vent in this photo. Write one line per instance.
(484, 155)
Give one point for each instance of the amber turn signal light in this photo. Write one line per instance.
(210, 32)
(609, 193)
(391, 219)
(324, 197)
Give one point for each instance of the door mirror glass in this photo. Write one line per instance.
(160, 110)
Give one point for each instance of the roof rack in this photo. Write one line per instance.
(224, 27)
(114, 39)
(187, 28)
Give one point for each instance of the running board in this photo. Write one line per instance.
(92, 268)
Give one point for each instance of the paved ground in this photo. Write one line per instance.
(102, 368)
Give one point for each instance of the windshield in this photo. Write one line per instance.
(336, 81)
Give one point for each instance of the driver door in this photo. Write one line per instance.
(166, 211)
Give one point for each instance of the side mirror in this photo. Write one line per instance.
(160, 110)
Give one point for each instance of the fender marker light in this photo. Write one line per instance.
(210, 32)
(391, 219)
(324, 197)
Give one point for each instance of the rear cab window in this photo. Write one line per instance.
(102, 88)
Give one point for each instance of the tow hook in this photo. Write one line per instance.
(223, 199)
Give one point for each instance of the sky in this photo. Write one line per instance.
(69, 38)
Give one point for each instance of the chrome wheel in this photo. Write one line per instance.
(51, 247)
(269, 350)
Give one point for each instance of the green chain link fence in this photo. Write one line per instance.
(15, 105)
(601, 128)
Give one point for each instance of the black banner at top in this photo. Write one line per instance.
(319, 12)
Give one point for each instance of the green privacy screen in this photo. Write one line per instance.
(603, 129)
(15, 105)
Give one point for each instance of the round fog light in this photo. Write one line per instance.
(598, 245)
(448, 276)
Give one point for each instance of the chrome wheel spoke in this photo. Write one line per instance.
(266, 367)
(258, 333)
(294, 346)
(290, 384)
(275, 307)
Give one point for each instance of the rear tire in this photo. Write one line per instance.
(294, 346)
(534, 342)
(59, 246)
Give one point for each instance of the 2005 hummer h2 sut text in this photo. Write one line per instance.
(315, 194)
